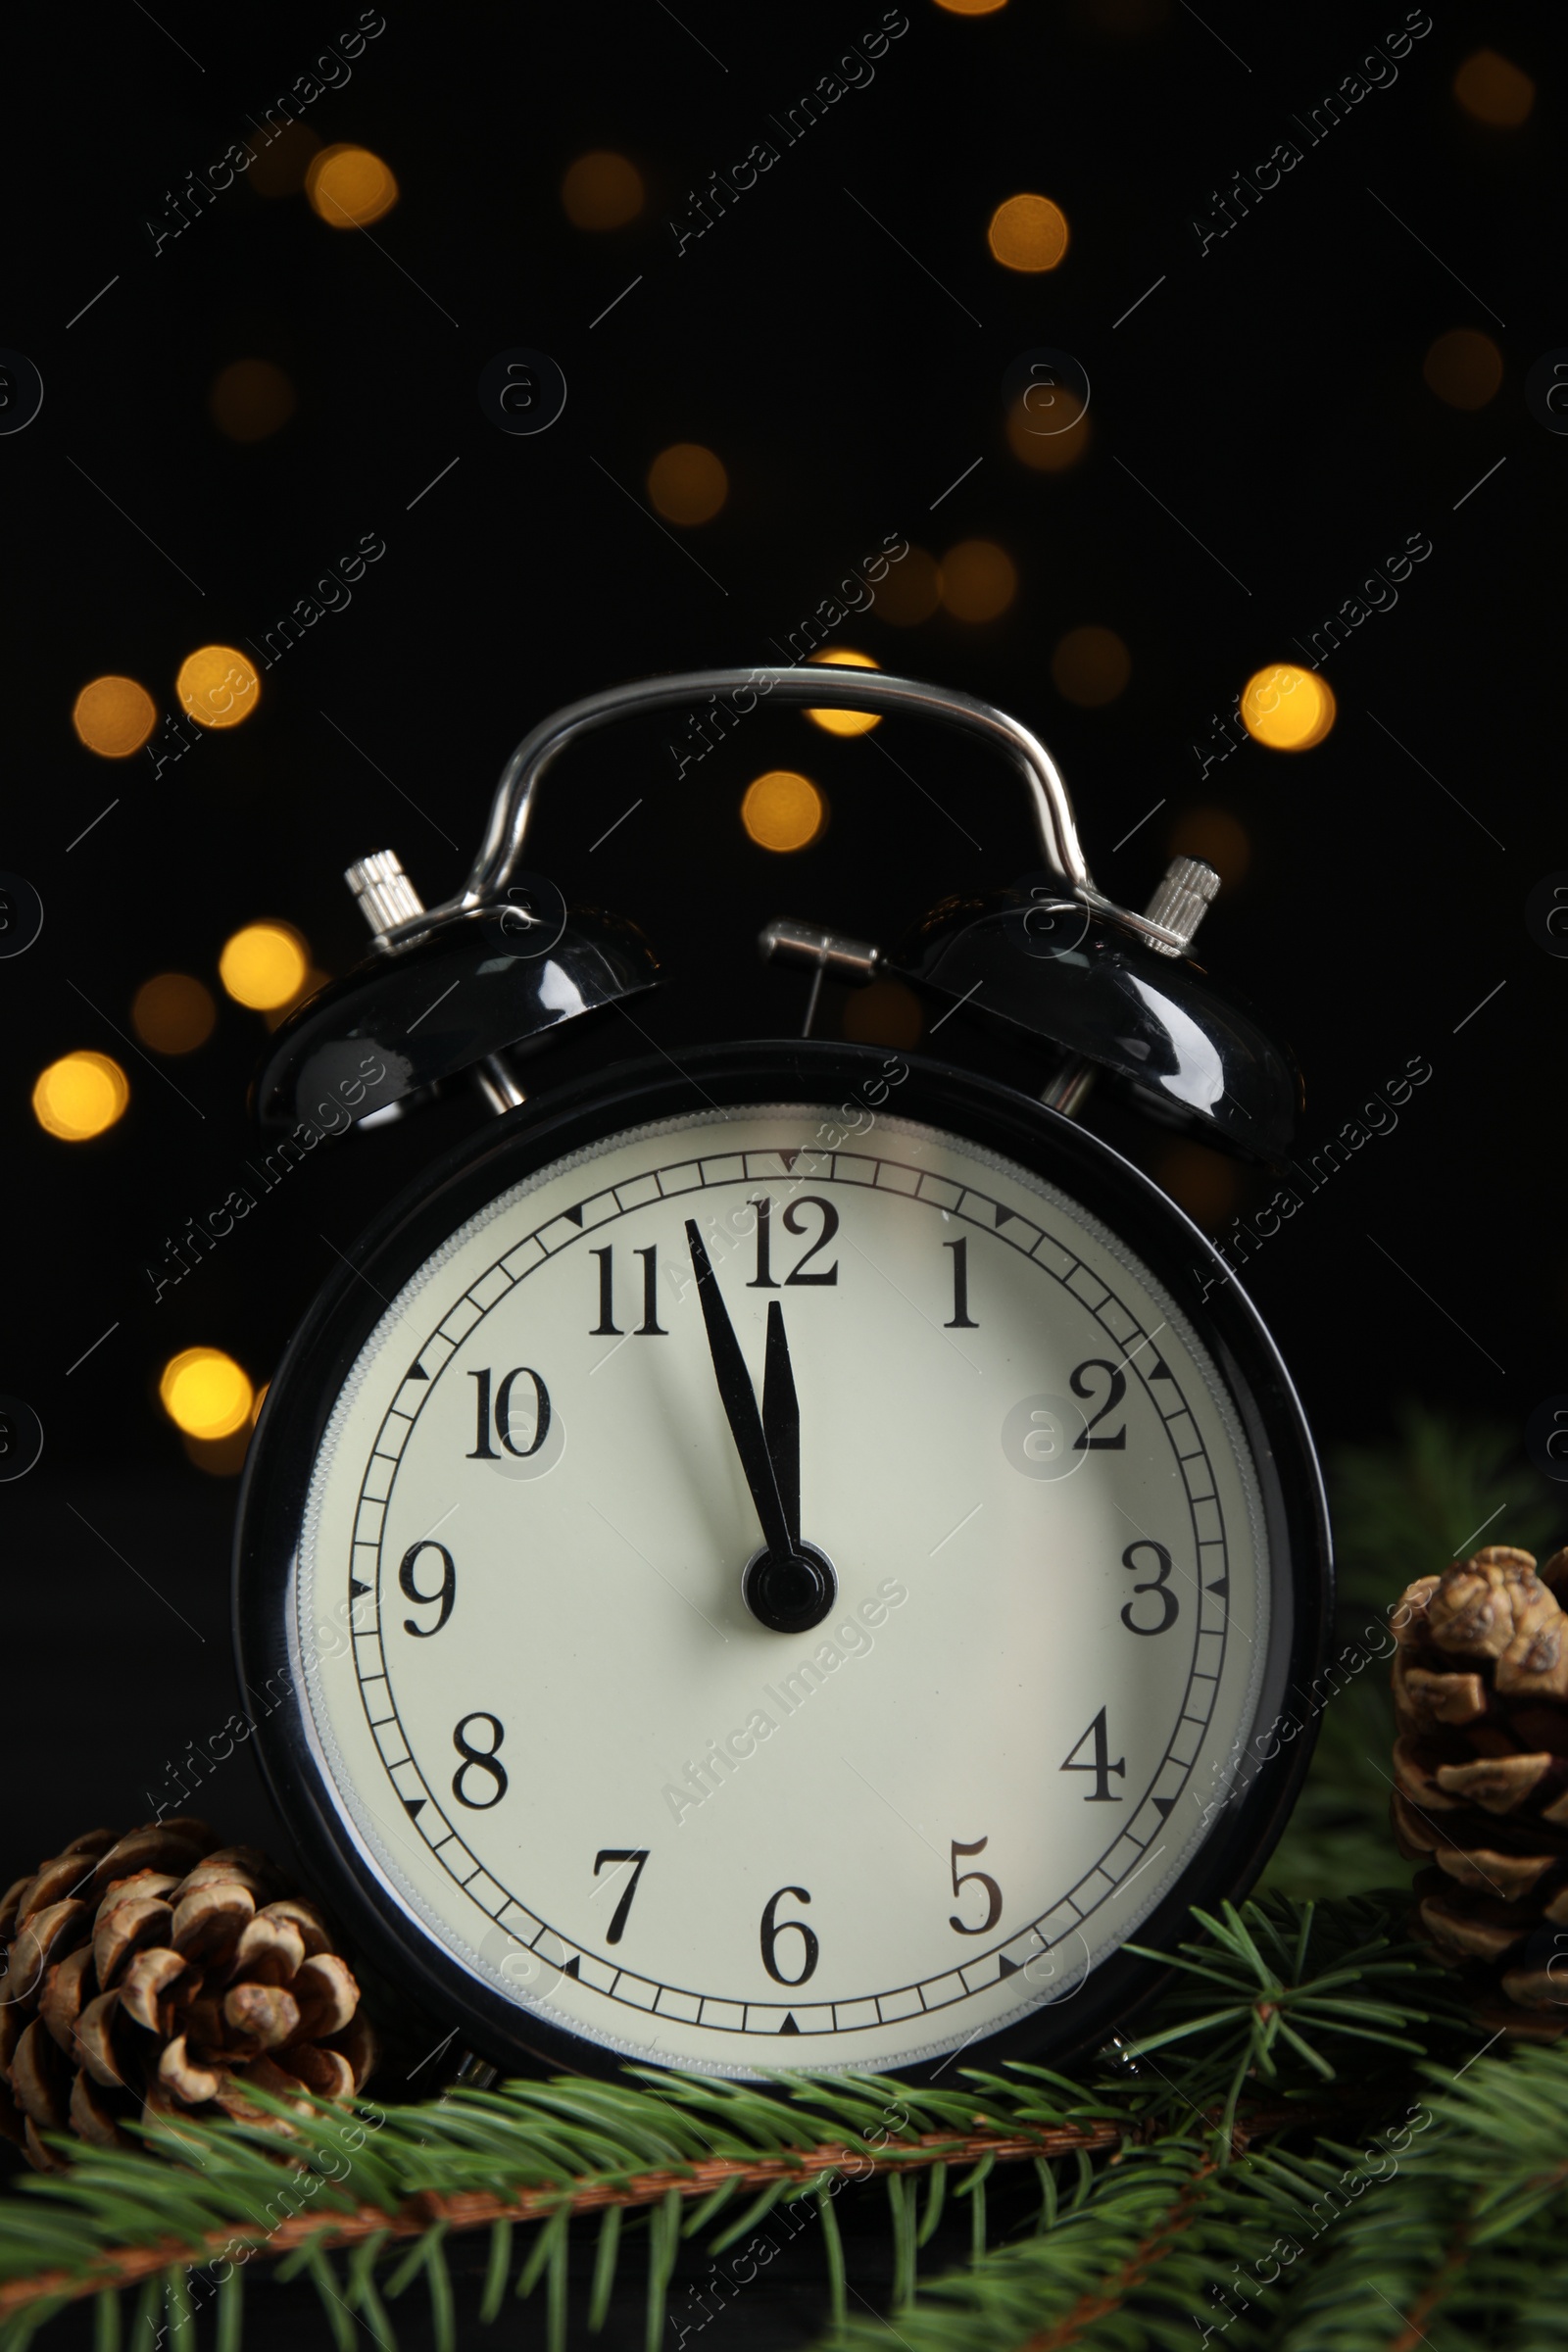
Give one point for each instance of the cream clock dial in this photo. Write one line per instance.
(782, 1582)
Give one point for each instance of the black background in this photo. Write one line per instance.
(1268, 393)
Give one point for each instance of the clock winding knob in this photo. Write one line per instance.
(1181, 901)
(382, 891)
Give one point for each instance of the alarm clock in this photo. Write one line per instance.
(783, 1553)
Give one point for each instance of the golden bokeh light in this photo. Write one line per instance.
(602, 190)
(1494, 90)
(219, 1457)
(79, 1096)
(1213, 835)
(1203, 1182)
(264, 965)
(885, 1013)
(1028, 233)
(979, 580)
(349, 188)
(173, 1014)
(250, 400)
(912, 590)
(278, 169)
(845, 722)
(687, 483)
(782, 810)
(276, 1015)
(972, 7)
(1091, 665)
(1464, 369)
(114, 716)
(205, 1393)
(1286, 708)
(217, 686)
(1047, 452)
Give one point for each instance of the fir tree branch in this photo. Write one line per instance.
(427, 2211)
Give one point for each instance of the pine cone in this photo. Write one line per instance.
(154, 1973)
(1480, 1771)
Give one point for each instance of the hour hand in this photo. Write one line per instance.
(739, 1400)
(781, 1420)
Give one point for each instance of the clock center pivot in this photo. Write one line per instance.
(789, 1591)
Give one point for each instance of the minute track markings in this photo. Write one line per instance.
(1096, 1307)
(922, 1186)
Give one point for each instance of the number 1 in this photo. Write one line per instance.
(962, 1320)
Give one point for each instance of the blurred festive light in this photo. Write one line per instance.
(79, 1096)
(276, 1015)
(1091, 665)
(1494, 90)
(687, 483)
(205, 1393)
(972, 7)
(217, 686)
(887, 1013)
(219, 1457)
(349, 188)
(911, 591)
(279, 167)
(1464, 367)
(114, 716)
(845, 722)
(602, 190)
(173, 1014)
(1028, 233)
(978, 581)
(782, 810)
(1203, 1182)
(1047, 452)
(264, 965)
(1213, 835)
(1289, 710)
(250, 399)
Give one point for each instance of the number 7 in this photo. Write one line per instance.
(608, 1853)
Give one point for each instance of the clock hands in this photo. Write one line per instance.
(781, 1420)
(789, 1586)
(739, 1401)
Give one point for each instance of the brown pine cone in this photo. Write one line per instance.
(1481, 1771)
(157, 1974)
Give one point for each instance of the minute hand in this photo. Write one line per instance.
(739, 1400)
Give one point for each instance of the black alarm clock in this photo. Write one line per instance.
(788, 1553)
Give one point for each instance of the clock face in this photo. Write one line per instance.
(901, 1797)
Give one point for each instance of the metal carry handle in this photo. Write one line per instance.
(823, 686)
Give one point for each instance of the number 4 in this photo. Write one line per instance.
(1101, 1766)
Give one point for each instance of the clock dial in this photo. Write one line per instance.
(834, 1692)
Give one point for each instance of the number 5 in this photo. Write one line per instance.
(974, 1878)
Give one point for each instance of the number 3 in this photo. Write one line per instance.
(1169, 1605)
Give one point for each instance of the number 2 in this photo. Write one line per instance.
(1116, 1442)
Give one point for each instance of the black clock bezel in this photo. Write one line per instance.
(306, 1387)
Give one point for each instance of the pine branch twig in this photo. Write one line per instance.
(473, 2210)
